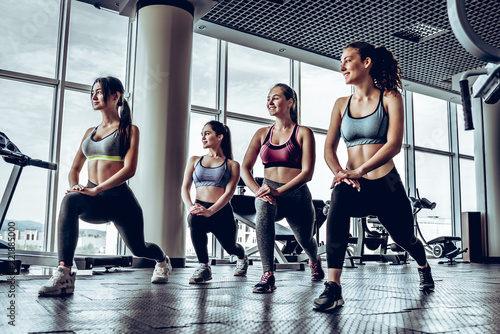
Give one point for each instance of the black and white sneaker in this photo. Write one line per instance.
(241, 266)
(330, 298)
(266, 284)
(202, 274)
(426, 281)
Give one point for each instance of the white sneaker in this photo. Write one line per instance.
(62, 282)
(241, 267)
(161, 272)
(202, 274)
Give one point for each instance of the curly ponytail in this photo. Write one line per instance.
(385, 71)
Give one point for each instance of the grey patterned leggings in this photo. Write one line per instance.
(297, 207)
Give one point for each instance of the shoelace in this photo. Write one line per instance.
(56, 276)
(424, 276)
(265, 277)
(240, 264)
(199, 270)
(314, 268)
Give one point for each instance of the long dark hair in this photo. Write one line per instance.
(385, 70)
(221, 129)
(290, 94)
(111, 85)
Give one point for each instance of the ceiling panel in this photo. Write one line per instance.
(431, 57)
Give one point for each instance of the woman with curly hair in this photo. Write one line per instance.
(371, 122)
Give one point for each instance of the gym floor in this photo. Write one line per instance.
(379, 298)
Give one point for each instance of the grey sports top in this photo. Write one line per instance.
(107, 148)
(211, 176)
(370, 129)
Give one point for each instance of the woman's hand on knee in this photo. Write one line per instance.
(200, 210)
(267, 194)
(75, 188)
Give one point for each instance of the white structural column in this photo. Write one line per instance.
(161, 111)
(491, 127)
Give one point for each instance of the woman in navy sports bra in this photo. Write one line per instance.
(371, 123)
(215, 177)
(287, 151)
(110, 150)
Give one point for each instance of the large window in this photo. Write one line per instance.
(204, 71)
(251, 74)
(97, 44)
(431, 122)
(433, 183)
(241, 134)
(319, 88)
(28, 42)
(25, 117)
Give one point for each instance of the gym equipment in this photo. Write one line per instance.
(370, 234)
(12, 261)
(440, 247)
(11, 264)
(489, 90)
(290, 255)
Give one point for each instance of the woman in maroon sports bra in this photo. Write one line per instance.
(287, 151)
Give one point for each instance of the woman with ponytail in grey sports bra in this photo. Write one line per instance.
(110, 150)
(371, 123)
(215, 176)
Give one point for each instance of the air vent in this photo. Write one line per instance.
(419, 32)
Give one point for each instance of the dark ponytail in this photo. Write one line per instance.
(290, 94)
(385, 71)
(111, 85)
(221, 129)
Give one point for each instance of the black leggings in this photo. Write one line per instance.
(117, 205)
(385, 198)
(222, 224)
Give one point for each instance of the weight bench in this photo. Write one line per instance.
(445, 247)
(372, 239)
(290, 255)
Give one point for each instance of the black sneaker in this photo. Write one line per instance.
(426, 281)
(266, 284)
(330, 298)
(317, 273)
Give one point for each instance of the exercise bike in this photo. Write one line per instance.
(439, 247)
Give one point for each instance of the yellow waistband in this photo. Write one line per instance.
(105, 157)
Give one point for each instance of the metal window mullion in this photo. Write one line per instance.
(56, 126)
(410, 175)
(28, 78)
(221, 85)
(295, 74)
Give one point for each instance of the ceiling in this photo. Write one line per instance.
(315, 31)
(324, 27)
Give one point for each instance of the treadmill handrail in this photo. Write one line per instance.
(24, 160)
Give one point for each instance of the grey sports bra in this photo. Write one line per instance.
(211, 176)
(107, 148)
(370, 129)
